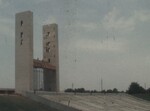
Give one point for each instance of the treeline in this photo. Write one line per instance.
(82, 90)
(134, 88)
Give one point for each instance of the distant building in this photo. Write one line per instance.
(35, 74)
(24, 52)
(50, 54)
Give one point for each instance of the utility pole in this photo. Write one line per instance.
(72, 86)
(101, 84)
(145, 85)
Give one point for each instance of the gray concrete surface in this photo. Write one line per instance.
(24, 51)
(24, 54)
(50, 54)
(51, 104)
(99, 102)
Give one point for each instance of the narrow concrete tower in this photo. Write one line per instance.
(24, 51)
(50, 54)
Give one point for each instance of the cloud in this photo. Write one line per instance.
(142, 15)
(40, 1)
(49, 20)
(1, 2)
(6, 26)
(88, 26)
(95, 45)
(85, 27)
(4, 3)
(115, 20)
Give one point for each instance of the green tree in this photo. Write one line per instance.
(109, 91)
(115, 90)
(135, 88)
(148, 90)
(69, 90)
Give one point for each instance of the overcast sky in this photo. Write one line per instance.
(108, 39)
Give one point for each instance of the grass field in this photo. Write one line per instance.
(143, 96)
(19, 103)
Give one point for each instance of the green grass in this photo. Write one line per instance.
(143, 96)
(19, 103)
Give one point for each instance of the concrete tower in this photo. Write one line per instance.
(24, 51)
(50, 54)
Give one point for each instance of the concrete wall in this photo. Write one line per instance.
(23, 51)
(51, 55)
(38, 79)
(50, 80)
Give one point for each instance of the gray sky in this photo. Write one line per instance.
(106, 39)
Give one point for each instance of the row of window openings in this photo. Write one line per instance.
(47, 49)
(21, 41)
(48, 34)
(21, 36)
(49, 60)
(21, 23)
(48, 44)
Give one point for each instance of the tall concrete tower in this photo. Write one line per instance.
(24, 51)
(50, 54)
